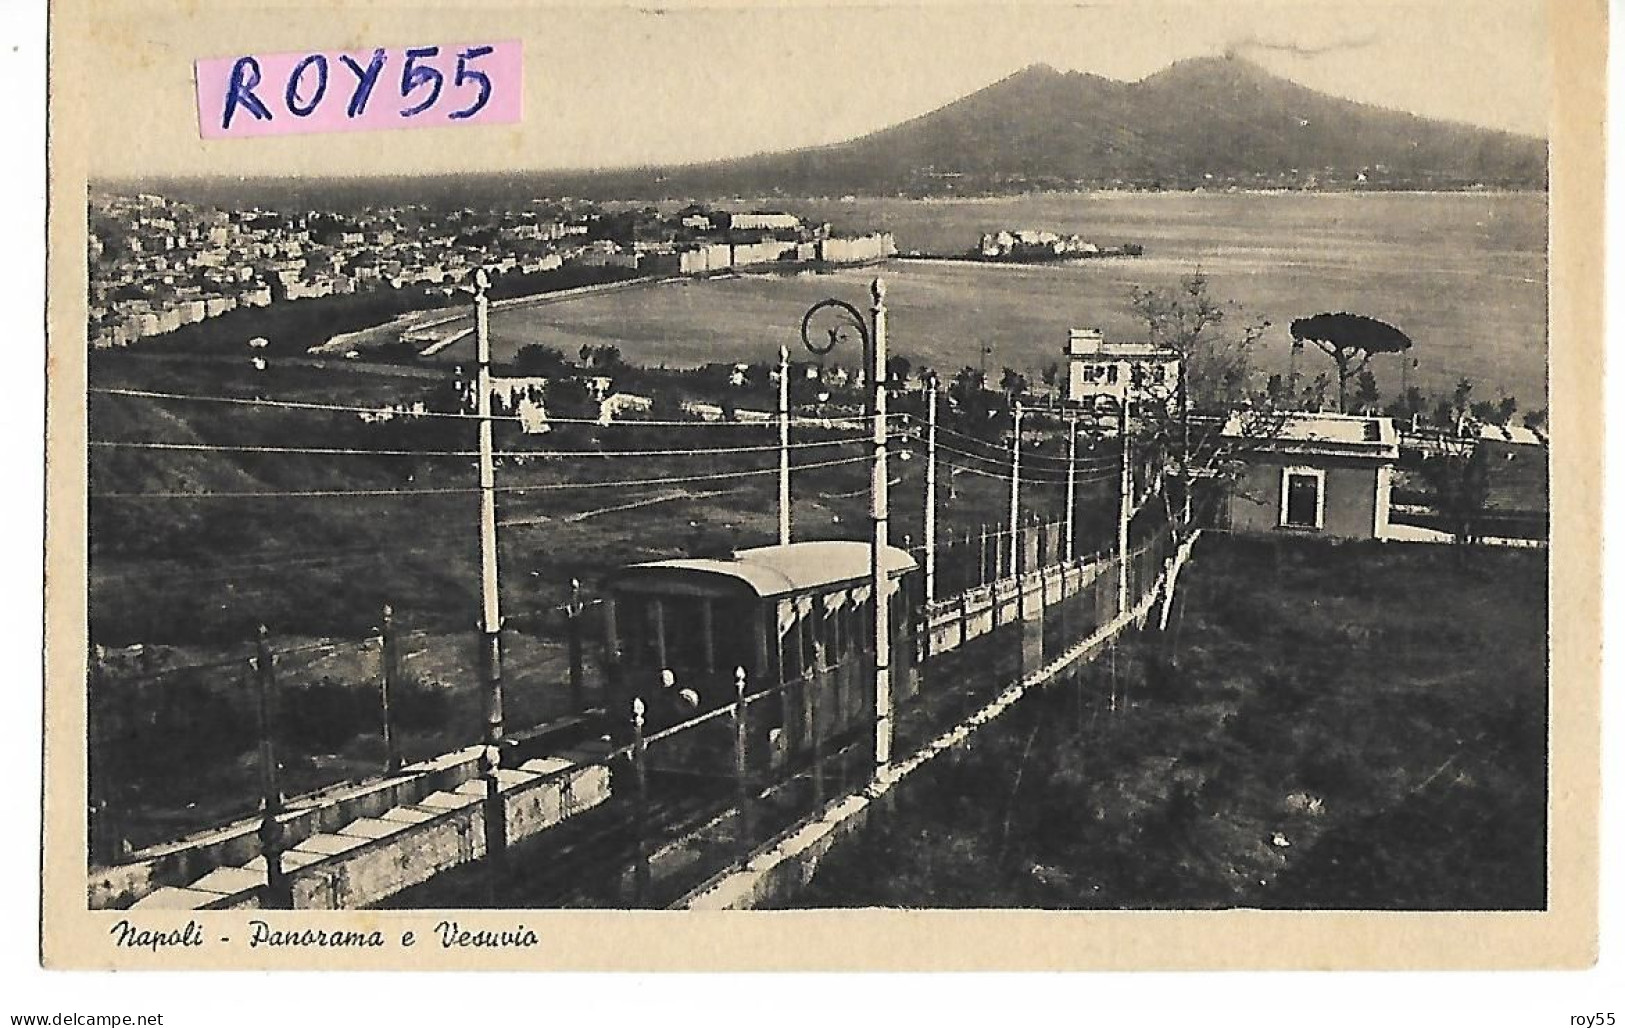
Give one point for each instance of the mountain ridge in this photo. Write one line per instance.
(1201, 122)
(1215, 120)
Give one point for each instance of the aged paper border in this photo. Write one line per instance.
(1564, 936)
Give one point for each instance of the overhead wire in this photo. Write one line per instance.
(465, 490)
(1081, 479)
(365, 452)
(768, 422)
(1003, 449)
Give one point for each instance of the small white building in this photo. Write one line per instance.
(1310, 474)
(1140, 372)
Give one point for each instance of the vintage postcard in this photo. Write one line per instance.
(815, 486)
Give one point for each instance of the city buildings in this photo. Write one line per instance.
(157, 264)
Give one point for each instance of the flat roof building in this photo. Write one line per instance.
(1310, 474)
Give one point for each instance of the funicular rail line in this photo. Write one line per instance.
(593, 820)
(977, 653)
(788, 860)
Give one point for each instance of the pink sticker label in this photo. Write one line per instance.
(355, 90)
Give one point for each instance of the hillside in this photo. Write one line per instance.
(1344, 727)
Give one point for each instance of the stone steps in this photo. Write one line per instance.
(376, 855)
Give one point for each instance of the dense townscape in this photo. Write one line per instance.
(157, 263)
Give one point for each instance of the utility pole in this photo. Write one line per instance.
(931, 494)
(1185, 442)
(877, 550)
(784, 446)
(1071, 483)
(391, 671)
(104, 721)
(573, 611)
(278, 895)
(491, 613)
(1124, 511)
(1015, 495)
(981, 558)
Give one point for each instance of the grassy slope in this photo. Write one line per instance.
(1326, 727)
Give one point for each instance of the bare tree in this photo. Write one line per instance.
(1216, 341)
(1459, 476)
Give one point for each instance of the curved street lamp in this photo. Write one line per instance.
(845, 317)
(824, 326)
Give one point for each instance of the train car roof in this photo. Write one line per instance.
(770, 571)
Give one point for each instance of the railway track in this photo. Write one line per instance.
(691, 824)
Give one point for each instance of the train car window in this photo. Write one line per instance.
(853, 630)
(837, 634)
(686, 647)
(657, 629)
(734, 634)
(825, 634)
(790, 645)
(804, 644)
(636, 615)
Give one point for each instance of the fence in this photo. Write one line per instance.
(689, 793)
(173, 745)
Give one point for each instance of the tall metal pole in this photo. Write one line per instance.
(491, 613)
(388, 657)
(784, 446)
(573, 611)
(1185, 442)
(878, 545)
(1015, 496)
(1071, 484)
(981, 558)
(931, 495)
(1125, 489)
(278, 895)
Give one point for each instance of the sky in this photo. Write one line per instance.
(612, 86)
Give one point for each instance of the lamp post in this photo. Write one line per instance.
(825, 325)
(1015, 494)
(784, 446)
(1125, 512)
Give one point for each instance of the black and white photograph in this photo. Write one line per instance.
(1061, 459)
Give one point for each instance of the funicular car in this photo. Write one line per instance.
(797, 618)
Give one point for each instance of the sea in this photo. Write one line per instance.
(1463, 274)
